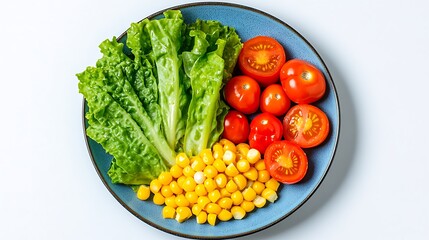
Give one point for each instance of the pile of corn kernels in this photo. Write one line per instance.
(222, 183)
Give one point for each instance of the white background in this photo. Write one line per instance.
(377, 52)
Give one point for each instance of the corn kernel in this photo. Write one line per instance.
(237, 197)
(241, 181)
(249, 194)
(158, 199)
(188, 171)
(181, 180)
(251, 174)
(214, 195)
(231, 186)
(253, 156)
(182, 160)
(247, 206)
(197, 164)
(168, 212)
(207, 156)
(196, 209)
(221, 180)
(201, 217)
(182, 201)
(263, 176)
(272, 184)
(165, 178)
(217, 151)
(224, 193)
(225, 202)
(155, 185)
(212, 218)
(258, 187)
(219, 165)
(228, 145)
(213, 208)
(200, 190)
(143, 193)
(189, 184)
(199, 177)
(231, 170)
(243, 148)
(259, 202)
(210, 184)
(229, 157)
(260, 165)
(176, 171)
(210, 171)
(170, 201)
(192, 197)
(238, 212)
(183, 214)
(166, 191)
(243, 165)
(203, 201)
(269, 194)
(224, 215)
(175, 188)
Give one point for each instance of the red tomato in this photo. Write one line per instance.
(242, 93)
(274, 100)
(302, 82)
(286, 162)
(305, 125)
(265, 128)
(236, 127)
(262, 58)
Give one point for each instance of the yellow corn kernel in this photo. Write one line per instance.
(199, 177)
(176, 171)
(247, 206)
(249, 194)
(166, 191)
(143, 193)
(269, 194)
(253, 156)
(259, 201)
(251, 174)
(203, 201)
(210, 184)
(155, 185)
(175, 188)
(214, 195)
(258, 187)
(210, 171)
(217, 151)
(243, 148)
(225, 203)
(201, 217)
(221, 180)
(263, 176)
(183, 214)
(165, 178)
(239, 156)
(196, 209)
(188, 171)
(192, 197)
(158, 199)
(200, 190)
(229, 157)
(182, 160)
(224, 215)
(228, 145)
(219, 165)
(213, 208)
(237, 198)
(272, 184)
(189, 184)
(181, 180)
(198, 164)
(168, 212)
(238, 212)
(241, 181)
(212, 218)
(224, 193)
(231, 170)
(170, 201)
(231, 186)
(260, 165)
(182, 201)
(243, 165)
(207, 156)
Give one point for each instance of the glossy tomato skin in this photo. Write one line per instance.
(302, 82)
(306, 125)
(261, 58)
(265, 128)
(274, 100)
(242, 93)
(236, 127)
(286, 162)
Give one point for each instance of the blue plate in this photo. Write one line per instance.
(249, 23)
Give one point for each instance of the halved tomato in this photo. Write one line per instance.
(305, 125)
(262, 58)
(286, 162)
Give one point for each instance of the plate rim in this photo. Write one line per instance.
(318, 184)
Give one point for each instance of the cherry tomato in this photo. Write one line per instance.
(262, 58)
(236, 127)
(242, 93)
(286, 162)
(265, 128)
(302, 82)
(305, 125)
(274, 100)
